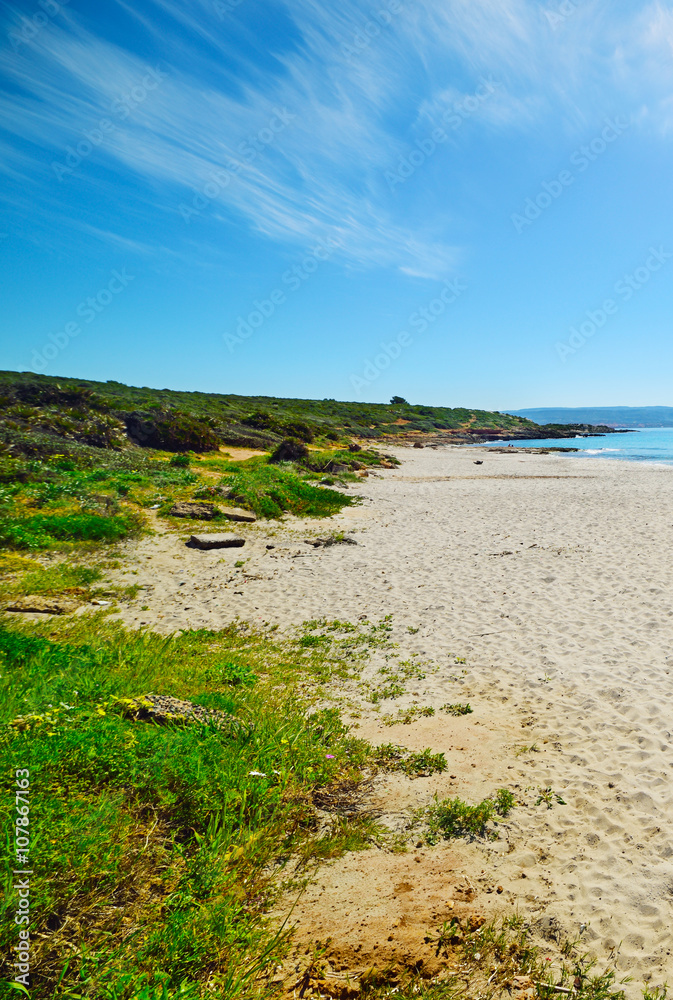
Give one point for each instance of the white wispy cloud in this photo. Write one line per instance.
(347, 115)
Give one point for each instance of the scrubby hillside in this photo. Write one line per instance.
(109, 415)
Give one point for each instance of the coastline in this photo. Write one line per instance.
(552, 580)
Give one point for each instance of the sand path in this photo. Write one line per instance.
(552, 575)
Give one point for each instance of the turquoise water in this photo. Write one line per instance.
(652, 444)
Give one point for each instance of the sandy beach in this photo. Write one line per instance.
(551, 576)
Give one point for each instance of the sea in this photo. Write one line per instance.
(648, 444)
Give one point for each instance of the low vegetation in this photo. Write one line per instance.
(270, 491)
(455, 818)
(456, 709)
(39, 409)
(172, 839)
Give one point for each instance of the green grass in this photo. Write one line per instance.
(271, 491)
(57, 579)
(41, 531)
(185, 828)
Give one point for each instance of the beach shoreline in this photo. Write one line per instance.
(552, 580)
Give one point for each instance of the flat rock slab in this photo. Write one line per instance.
(44, 605)
(237, 514)
(184, 508)
(225, 541)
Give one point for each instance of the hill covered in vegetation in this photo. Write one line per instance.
(41, 412)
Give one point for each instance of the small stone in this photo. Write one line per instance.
(224, 541)
(238, 514)
(417, 444)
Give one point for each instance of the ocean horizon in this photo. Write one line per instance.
(649, 444)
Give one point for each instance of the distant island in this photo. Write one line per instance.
(42, 413)
(612, 416)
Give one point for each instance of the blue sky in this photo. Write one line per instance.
(464, 202)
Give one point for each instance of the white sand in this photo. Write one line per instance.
(552, 575)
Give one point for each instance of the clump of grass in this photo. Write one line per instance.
(271, 491)
(57, 579)
(44, 530)
(406, 716)
(392, 757)
(456, 709)
(455, 818)
(348, 833)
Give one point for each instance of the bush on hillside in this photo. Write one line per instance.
(171, 430)
(291, 450)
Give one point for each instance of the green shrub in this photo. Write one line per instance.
(290, 450)
(171, 430)
(298, 429)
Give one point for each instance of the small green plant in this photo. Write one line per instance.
(504, 801)
(411, 630)
(456, 818)
(239, 563)
(549, 797)
(448, 934)
(460, 659)
(656, 992)
(456, 709)
(180, 461)
(238, 675)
